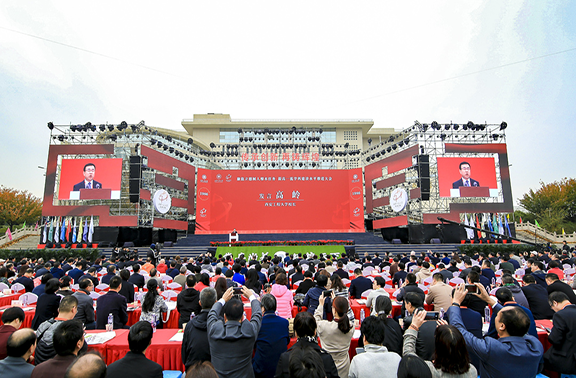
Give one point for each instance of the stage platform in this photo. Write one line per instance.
(356, 237)
(195, 245)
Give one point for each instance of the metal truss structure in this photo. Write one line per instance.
(431, 140)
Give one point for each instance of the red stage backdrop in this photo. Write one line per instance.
(284, 201)
(482, 170)
(108, 173)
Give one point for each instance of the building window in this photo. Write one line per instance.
(328, 136)
(350, 135)
(229, 136)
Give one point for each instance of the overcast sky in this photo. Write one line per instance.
(70, 62)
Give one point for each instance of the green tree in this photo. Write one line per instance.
(17, 207)
(553, 205)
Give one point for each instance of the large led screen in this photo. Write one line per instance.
(268, 201)
(467, 177)
(78, 177)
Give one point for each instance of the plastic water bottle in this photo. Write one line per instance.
(486, 315)
(441, 315)
(362, 315)
(153, 323)
(110, 325)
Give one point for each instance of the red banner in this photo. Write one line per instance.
(285, 201)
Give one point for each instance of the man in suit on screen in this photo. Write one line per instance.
(464, 168)
(89, 182)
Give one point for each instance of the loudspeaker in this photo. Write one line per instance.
(135, 178)
(424, 176)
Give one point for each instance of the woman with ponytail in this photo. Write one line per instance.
(335, 335)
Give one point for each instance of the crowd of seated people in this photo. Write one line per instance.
(508, 292)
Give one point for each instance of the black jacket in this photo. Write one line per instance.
(195, 345)
(305, 286)
(537, 298)
(111, 303)
(137, 279)
(187, 303)
(283, 365)
(563, 287)
(46, 308)
(127, 290)
(134, 365)
(561, 357)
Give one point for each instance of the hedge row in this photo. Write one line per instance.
(47, 254)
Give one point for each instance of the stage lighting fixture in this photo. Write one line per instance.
(102, 127)
(190, 141)
(165, 147)
(110, 127)
(186, 157)
(50, 125)
(259, 164)
(191, 159)
(123, 125)
(422, 150)
(464, 127)
(470, 125)
(406, 141)
(446, 127)
(394, 146)
(369, 141)
(389, 149)
(239, 131)
(435, 125)
(495, 136)
(114, 137)
(442, 136)
(503, 125)
(245, 165)
(455, 126)
(159, 144)
(287, 165)
(212, 145)
(61, 138)
(72, 127)
(377, 154)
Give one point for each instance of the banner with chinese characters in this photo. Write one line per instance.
(283, 201)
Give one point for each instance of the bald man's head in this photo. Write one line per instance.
(19, 343)
(89, 365)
